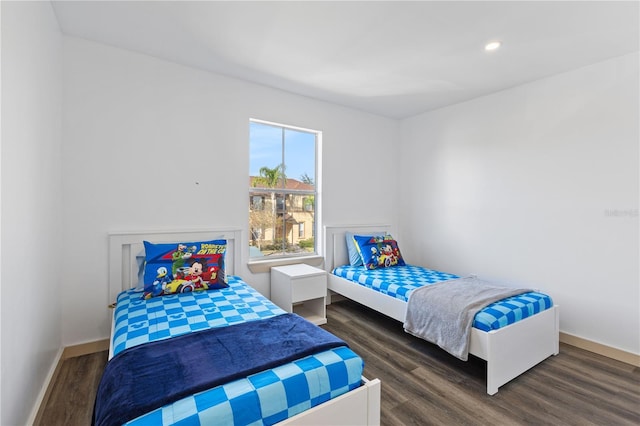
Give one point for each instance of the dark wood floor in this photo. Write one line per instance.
(73, 391)
(423, 385)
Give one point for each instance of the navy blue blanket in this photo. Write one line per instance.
(143, 378)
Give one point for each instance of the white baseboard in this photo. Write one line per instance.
(44, 392)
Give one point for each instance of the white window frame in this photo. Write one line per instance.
(257, 265)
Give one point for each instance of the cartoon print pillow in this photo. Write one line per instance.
(182, 267)
(378, 251)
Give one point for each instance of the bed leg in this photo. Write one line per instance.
(373, 403)
(492, 387)
(556, 336)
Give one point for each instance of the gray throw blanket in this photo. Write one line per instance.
(443, 313)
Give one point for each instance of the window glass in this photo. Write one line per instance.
(282, 190)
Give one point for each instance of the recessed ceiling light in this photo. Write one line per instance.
(493, 45)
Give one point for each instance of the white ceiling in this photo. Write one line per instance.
(391, 58)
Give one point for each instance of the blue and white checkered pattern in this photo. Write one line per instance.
(261, 399)
(400, 281)
(268, 397)
(512, 309)
(140, 321)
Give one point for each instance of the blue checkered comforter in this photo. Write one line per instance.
(400, 281)
(263, 398)
(139, 321)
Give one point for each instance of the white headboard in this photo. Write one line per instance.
(124, 247)
(336, 252)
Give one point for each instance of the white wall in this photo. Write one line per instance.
(31, 205)
(140, 132)
(536, 186)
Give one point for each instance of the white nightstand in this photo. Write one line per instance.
(301, 289)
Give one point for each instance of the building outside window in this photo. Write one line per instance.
(283, 191)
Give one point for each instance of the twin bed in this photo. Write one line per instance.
(161, 341)
(509, 350)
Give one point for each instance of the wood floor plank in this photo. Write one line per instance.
(71, 399)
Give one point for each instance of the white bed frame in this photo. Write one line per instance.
(360, 406)
(509, 351)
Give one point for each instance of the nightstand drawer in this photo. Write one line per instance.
(308, 288)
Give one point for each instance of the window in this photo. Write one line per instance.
(283, 194)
